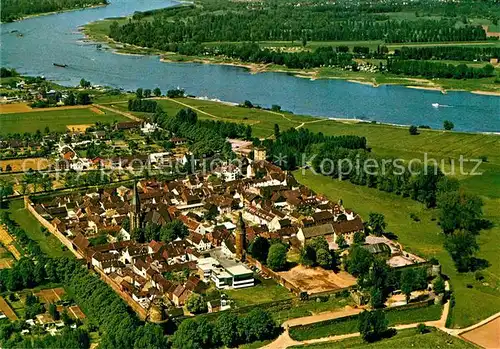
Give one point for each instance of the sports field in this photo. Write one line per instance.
(55, 119)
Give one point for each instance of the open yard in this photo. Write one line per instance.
(56, 119)
(27, 163)
(264, 291)
(403, 339)
(49, 244)
(316, 280)
(50, 295)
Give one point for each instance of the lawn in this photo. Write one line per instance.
(56, 120)
(403, 339)
(264, 291)
(49, 244)
(350, 324)
(474, 303)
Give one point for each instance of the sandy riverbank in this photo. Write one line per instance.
(487, 93)
(428, 88)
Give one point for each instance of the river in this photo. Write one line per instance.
(55, 38)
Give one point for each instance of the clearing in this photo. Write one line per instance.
(317, 280)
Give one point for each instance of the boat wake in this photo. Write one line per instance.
(437, 105)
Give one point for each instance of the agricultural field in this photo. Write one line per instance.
(55, 119)
(403, 339)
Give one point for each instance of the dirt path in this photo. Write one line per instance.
(285, 341)
(190, 107)
(128, 115)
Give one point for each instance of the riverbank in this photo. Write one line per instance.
(59, 11)
(97, 32)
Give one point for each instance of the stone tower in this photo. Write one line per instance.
(240, 238)
(135, 210)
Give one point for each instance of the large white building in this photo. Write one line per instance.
(225, 273)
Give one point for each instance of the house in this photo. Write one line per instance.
(225, 273)
(178, 141)
(348, 228)
(228, 172)
(215, 306)
(306, 233)
(122, 126)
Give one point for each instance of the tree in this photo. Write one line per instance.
(139, 93)
(70, 99)
(413, 130)
(276, 259)
(376, 298)
(359, 237)
(84, 83)
(53, 311)
(147, 93)
(196, 304)
(308, 256)
(341, 241)
(459, 210)
(438, 285)
(193, 334)
(407, 282)
(372, 325)
(83, 98)
(173, 230)
(359, 260)
(376, 223)
(276, 131)
(462, 245)
(157, 92)
(258, 325)
(259, 249)
(226, 329)
(324, 258)
(6, 189)
(448, 125)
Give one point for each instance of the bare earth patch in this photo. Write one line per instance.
(96, 110)
(50, 295)
(316, 280)
(25, 164)
(80, 128)
(14, 108)
(486, 336)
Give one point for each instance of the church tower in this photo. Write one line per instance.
(135, 210)
(240, 238)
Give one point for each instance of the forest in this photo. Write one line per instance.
(16, 9)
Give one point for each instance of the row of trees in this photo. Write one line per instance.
(143, 105)
(118, 324)
(14, 9)
(228, 330)
(438, 70)
(456, 53)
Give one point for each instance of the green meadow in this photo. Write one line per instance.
(56, 120)
(403, 339)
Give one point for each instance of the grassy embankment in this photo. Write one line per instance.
(424, 237)
(98, 31)
(403, 339)
(56, 120)
(49, 244)
(350, 324)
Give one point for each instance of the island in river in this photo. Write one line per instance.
(365, 61)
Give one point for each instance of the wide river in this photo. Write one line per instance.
(55, 38)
